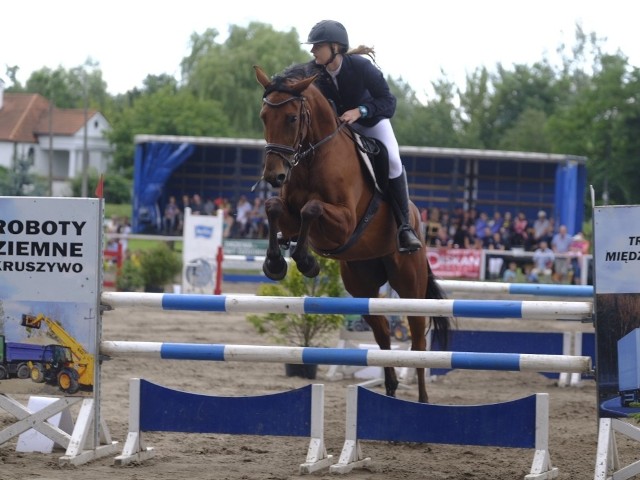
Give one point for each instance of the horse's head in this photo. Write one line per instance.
(286, 118)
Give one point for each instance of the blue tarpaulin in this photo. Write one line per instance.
(569, 204)
(154, 164)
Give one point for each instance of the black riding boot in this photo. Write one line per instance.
(408, 241)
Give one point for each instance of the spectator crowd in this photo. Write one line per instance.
(556, 253)
(243, 219)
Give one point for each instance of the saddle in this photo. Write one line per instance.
(375, 158)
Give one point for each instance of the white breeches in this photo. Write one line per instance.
(383, 131)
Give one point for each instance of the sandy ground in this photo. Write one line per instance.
(573, 424)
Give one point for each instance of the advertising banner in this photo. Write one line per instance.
(50, 280)
(617, 306)
(455, 262)
(202, 237)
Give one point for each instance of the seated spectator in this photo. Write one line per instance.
(228, 219)
(462, 238)
(519, 230)
(243, 207)
(443, 239)
(496, 222)
(197, 207)
(432, 228)
(171, 217)
(498, 244)
(530, 243)
(511, 273)
(506, 231)
(543, 259)
(476, 242)
(209, 208)
(560, 245)
(487, 239)
(257, 219)
(541, 228)
(529, 274)
(579, 247)
(482, 223)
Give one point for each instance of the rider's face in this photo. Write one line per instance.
(321, 52)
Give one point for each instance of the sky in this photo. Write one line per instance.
(420, 42)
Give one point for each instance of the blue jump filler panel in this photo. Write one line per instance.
(168, 410)
(521, 423)
(294, 413)
(509, 424)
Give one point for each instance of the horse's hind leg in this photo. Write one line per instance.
(363, 280)
(417, 325)
(380, 327)
(408, 278)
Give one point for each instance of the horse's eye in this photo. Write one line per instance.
(292, 118)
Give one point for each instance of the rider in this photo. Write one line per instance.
(362, 99)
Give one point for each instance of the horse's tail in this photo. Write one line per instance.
(441, 325)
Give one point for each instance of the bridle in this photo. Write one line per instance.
(292, 155)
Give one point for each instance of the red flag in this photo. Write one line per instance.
(100, 186)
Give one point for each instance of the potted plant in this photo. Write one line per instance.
(303, 330)
(129, 277)
(159, 266)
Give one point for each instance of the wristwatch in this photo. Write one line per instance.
(363, 111)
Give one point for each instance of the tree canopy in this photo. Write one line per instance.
(588, 105)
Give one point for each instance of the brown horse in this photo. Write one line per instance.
(329, 202)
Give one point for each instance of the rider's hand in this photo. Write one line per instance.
(350, 116)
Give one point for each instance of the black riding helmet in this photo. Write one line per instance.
(329, 31)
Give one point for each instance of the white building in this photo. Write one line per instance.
(30, 126)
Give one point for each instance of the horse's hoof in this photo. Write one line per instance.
(275, 269)
(310, 268)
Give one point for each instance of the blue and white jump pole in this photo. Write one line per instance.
(538, 310)
(349, 356)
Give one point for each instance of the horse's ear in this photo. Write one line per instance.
(302, 85)
(263, 78)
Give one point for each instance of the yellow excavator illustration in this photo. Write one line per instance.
(71, 368)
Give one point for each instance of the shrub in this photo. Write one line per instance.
(304, 330)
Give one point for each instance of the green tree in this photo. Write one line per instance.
(602, 123)
(473, 114)
(425, 125)
(166, 111)
(69, 88)
(224, 73)
(527, 134)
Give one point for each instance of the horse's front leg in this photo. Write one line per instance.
(274, 266)
(307, 264)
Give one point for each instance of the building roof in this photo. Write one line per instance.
(24, 116)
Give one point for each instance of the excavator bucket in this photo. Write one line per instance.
(31, 321)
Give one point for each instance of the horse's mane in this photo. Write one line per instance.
(297, 71)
